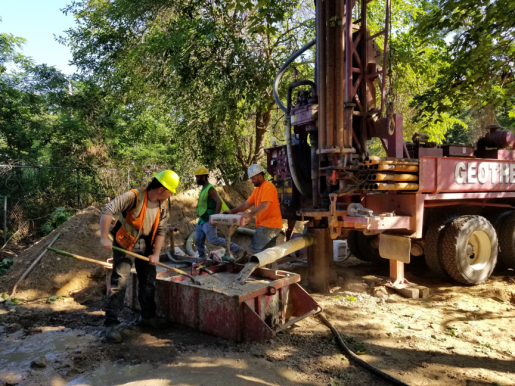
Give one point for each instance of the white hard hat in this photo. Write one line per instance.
(254, 170)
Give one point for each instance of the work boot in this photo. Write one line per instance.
(113, 334)
(155, 322)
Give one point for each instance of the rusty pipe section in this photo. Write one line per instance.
(270, 255)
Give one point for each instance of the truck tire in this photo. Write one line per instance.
(506, 235)
(353, 244)
(432, 240)
(369, 248)
(469, 249)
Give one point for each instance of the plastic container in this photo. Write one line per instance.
(340, 250)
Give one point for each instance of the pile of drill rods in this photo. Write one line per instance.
(377, 173)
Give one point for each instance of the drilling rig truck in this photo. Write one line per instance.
(452, 205)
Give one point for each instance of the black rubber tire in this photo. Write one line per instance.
(433, 242)
(369, 252)
(506, 236)
(353, 244)
(454, 255)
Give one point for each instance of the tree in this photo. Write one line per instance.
(207, 65)
(480, 52)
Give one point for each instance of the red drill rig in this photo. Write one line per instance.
(452, 204)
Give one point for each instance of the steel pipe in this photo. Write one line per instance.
(270, 255)
(321, 71)
(392, 177)
(373, 160)
(340, 13)
(397, 168)
(393, 186)
(330, 86)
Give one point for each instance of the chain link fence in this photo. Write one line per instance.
(32, 193)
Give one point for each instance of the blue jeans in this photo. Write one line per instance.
(208, 231)
(264, 238)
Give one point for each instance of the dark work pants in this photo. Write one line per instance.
(122, 265)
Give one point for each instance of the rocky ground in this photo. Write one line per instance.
(52, 333)
(458, 336)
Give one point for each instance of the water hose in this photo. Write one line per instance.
(354, 357)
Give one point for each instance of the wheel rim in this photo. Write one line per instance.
(478, 251)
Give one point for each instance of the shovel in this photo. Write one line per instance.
(194, 279)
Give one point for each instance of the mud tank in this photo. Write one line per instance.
(451, 205)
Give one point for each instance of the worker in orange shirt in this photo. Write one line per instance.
(267, 211)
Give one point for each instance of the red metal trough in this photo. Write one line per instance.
(269, 302)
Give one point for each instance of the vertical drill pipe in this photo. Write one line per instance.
(385, 52)
(321, 71)
(340, 12)
(349, 132)
(315, 164)
(330, 73)
(270, 255)
(364, 63)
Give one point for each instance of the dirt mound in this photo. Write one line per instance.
(79, 235)
(61, 275)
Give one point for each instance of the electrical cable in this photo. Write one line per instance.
(354, 357)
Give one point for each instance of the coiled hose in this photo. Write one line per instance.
(358, 360)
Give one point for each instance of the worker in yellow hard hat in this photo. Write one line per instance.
(141, 228)
(209, 203)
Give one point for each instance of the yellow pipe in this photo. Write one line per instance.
(397, 168)
(392, 177)
(394, 186)
(373, 160)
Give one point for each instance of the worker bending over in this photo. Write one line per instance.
(267, 211)
(209, 202)
(141, 228)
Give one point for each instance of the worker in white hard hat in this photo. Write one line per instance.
(267, 211)
(209, 202)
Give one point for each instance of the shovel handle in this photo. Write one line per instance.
(160, 264)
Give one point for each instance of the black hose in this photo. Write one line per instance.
(280, 74)
(354, 357)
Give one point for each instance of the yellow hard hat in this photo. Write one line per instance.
(168, 178)
(201, 171)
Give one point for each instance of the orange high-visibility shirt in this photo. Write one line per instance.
(270, 218)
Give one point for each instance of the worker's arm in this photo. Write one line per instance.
(105, 224)
(257, 211)
(158, 244)
(212, 194)
(240, 208)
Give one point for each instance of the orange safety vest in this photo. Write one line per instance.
(132, 223)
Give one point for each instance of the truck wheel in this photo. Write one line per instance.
(353, 244)
(432, 240)
(469, 249)
(369, 247)
(506, 235)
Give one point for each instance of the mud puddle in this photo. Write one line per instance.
(110, 374)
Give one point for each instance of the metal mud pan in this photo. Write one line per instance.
(270, 301)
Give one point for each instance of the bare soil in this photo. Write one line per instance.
(458, 336)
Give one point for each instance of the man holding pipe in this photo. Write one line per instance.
(141, 228)
(209, 203)
(267, 211)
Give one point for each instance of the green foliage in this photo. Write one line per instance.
(5, 264)
(59, 216)
(479, 50)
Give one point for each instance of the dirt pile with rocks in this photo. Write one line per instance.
(56, 274)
